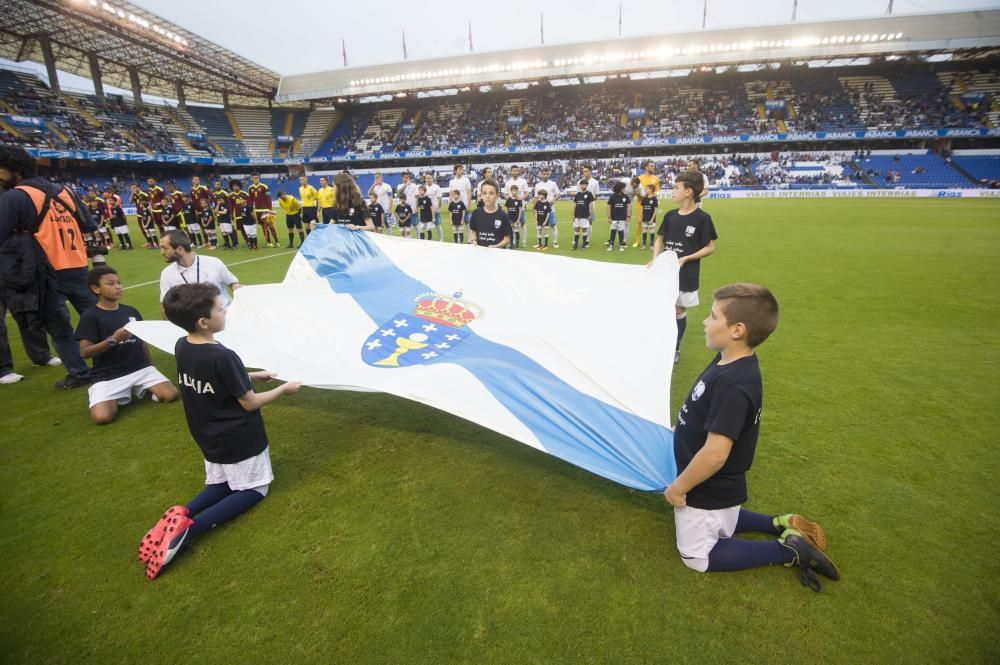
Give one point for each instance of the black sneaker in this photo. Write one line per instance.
(69, 382)
(809, 559)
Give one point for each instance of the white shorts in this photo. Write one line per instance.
(251, 472)
(169, 227)
(619, 225)
(194, 228)
(699, 530)
(121, 389)
(425, 226)
(226, 228)
(687, 299)
(648, 226)
(579, 223)
(250, 230)
(121, 229)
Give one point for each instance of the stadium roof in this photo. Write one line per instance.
(885, 36)
(121, 35)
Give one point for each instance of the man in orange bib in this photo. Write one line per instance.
(37, 214)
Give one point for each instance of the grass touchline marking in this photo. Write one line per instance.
(235, 263)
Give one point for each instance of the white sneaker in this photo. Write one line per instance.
(10, 378)
(621, 248)
(52, 362)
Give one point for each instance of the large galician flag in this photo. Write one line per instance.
(569, 356)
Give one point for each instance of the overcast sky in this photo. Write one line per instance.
(310, 32)
(297, 36)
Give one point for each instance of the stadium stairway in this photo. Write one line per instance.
(180, 124)
(965, 174)
(980, 167)
(317, 127)
(10, 129)
(879, 86)
(79, 108)
(867, 179)
(234, 125)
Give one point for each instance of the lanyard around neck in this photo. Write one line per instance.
(197, 271)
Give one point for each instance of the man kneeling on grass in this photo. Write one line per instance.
(223, 414)
(121, 362)
(714, 444)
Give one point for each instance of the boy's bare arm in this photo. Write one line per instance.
(252, 401)
(705, 464)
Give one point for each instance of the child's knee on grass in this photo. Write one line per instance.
(697, 564)
(104, 413)
(165, 392)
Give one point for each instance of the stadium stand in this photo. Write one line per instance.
(985, 169)
(927, 170)
(797, 99)
(214, 122)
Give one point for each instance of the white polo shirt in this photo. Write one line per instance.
(464, 187)
(550, 187)
(434, 192)
(206, 270)
(409, 192)
(522, 187)
(384, 193)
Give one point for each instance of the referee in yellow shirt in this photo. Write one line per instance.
(293, 218)
(647, 178)
(308, 196)
(327, 197)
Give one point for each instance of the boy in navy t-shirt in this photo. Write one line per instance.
(458, 211)
(223, 414)
(543, 210)
(583, 211)
(689, 233)
(714, 443)
(619, 212)
(121, 361)
(513, 205)
(377, 212)
(425, 214)
(404, 214)
(649, 204)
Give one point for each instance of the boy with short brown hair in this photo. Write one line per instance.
(714, 443)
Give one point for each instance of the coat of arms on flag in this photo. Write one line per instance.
(436, 326)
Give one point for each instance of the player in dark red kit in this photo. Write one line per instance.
(263, 209)
(157, 202)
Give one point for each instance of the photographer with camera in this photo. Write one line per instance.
(43, 256)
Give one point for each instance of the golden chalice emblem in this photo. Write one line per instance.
(404, 344)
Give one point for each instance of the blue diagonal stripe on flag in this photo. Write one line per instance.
(569, 424)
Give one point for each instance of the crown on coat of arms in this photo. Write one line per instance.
(451, 311)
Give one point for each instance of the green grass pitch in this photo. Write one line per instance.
(398, 534)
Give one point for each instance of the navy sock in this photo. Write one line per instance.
(758, 522)
(681, 325)
(230, 507)
(737, 554)
(211, 495)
